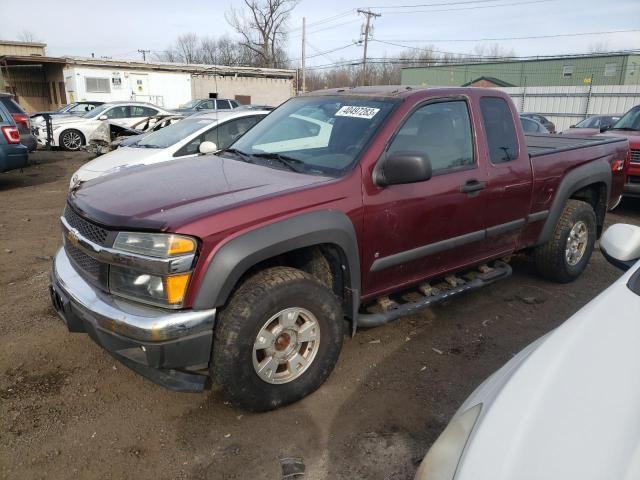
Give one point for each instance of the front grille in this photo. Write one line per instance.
(83, 262)
(635, 156)
(87, 229)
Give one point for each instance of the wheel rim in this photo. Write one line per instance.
(72, 140)
(286, 345)
(577, 243)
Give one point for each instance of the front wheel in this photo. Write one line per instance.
(277, 340)
(564, 257)
(71, 140)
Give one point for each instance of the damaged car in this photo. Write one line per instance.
(111, 135)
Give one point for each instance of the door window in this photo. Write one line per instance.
(118, 112)
(501, 133)
(227, 133)
(440, 130)
(223, 105)
(208, 105)
(138, 111)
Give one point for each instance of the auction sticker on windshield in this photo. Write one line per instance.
(357, 112)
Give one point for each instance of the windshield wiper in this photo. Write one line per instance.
(289, 162)
(626, 128)
(244, 156)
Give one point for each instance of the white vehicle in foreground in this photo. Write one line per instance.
(567, 406)
(72, 132)
(203, 133)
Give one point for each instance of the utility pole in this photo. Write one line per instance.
(369, 14)
(304, 41)
(144, 54)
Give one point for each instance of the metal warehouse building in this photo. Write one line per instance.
(596, 69)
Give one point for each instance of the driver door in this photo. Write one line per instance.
(418, 230)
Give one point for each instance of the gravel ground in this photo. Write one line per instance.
(68, 410)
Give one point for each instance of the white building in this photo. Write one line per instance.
(170, 85)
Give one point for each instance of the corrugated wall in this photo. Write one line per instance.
(566, 106)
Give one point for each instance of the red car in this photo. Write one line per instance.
(629, 127)
(344, 208)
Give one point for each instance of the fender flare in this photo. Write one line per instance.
(241, 253)
(593, 172)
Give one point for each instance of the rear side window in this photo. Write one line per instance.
(442, 131)
(223, 105)
(11, 105)
(501, 133)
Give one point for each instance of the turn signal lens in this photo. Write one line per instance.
(176, 288)
(179, 245)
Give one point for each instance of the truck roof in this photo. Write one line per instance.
(398, 91)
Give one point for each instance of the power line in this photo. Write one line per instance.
(379, 7)
(327, 20)
(531, 37)
(401, 12)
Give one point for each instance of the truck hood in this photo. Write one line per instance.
(632, 135)
(171, 194)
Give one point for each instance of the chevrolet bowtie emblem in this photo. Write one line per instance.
(72, 236)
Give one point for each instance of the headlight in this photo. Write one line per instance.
(165, 291)
(160, 245)
(441, 461)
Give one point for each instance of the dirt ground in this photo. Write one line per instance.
(68, 410)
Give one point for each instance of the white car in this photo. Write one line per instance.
(202, 133)
(72, 132)
(568, 405)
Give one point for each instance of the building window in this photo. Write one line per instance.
(97, 85)
(610, 69)
(567, 71)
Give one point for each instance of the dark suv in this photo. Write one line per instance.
(22, 120)
(200, 104)
(12, 154)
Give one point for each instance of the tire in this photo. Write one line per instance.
(250, 339)
(559, 259)
(71, 140)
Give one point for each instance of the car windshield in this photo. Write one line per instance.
(323, 134)
(96, 111)
(66, 108)
(190, 104)
(172, 134)
(629, 121)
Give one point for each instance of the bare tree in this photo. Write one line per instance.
(187, 46)
(28, 36)
(262, 28)
(599, 47)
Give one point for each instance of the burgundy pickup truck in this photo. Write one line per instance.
(341, 209)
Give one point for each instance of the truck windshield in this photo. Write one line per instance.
(172, 134)
(324, 134)
(629, 121)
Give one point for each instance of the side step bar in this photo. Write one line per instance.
(499, 271)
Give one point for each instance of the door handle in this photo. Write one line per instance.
(473, 186)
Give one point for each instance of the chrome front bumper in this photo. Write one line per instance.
(167, 347)
(126, 318)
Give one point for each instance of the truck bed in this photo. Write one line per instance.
(543, 144)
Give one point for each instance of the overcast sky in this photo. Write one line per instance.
(119, 28)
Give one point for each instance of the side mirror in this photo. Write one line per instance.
(103, 117)
(604, 128)
(572, 126)
(208, 147)
(620, 245)
(403, 167)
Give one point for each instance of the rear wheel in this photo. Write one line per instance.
(71, 140)
(277, 340)
(566, 255)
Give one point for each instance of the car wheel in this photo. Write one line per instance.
(71, 140)
(277, 340)
(564, 257)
